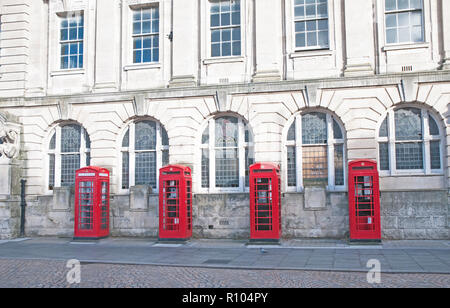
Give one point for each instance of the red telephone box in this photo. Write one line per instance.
(265, 202)
(175, 203)
(91, 203)
(364, 201)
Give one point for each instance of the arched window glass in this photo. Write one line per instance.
(317, 157)
(410, 141)
(68, 151)
(229, 142)
(145, 149)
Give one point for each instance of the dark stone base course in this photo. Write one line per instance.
(404, 215)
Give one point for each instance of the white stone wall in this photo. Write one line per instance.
(357, 80)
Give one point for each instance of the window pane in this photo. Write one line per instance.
(391, 5)
(52, 144)
(314, 128)
(408, 124)
(164, 136)
(126, 139)
(409, 156)
(226, 132)
(435, 153)
(337, 132)
(236, 48)
(51, 172)
(384, 156)
(227, 168)
(125, 170)
(384, 128)
(69, 164)
(226, 49)
(145, 135)
(291, 132)
(205, 168)
(249, 160)
(145, 171)
(339, 164)
(291, 167)
(434, 129)
(315, 166)
(391, 36)
(70, 138)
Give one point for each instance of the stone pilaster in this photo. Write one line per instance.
(359, 38)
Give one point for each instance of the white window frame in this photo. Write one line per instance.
(385, 13)
(68, 16)
(132, 154)
(331, 142)
(242, 145)
(426, 139)
(294, 20)
(206, 33)
(140, 8)
(56, 131)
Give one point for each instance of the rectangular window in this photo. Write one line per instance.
(227, 168)
(146, 35)
(404, 21)
(225, 28)
(311, 23)
(71, 41)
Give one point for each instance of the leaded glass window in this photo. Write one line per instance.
(311, 23)
(145, 149)
(317, 158)
(68, 151)
(415, 144)
(225, 23)
(226, 154)
(71, 41)
(146, 35)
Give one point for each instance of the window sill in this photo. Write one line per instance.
(141, 66)
(68, 72)
(311, 53)
(405, 46)
(223, 60)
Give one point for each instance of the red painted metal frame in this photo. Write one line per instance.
(175, 202)
(364, 200)
(265, 202)
(92, 187)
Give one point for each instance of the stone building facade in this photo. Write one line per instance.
(131, 85)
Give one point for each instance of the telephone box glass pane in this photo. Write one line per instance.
(263, 204)
(86, 203)
(104, 206)
(171, 214)
(364, 203)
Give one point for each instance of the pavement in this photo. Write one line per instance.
(428, 256)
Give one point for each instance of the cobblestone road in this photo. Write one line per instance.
(49, 274)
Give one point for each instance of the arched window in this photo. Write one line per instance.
(315, 152)
(144, 150)
(68, 150)
(410, 140)
(228, 141)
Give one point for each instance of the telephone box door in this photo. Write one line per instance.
(364, 201)
(264, 202)
(91, 203)
(175, 203)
